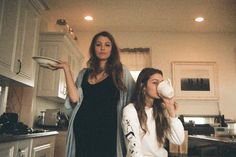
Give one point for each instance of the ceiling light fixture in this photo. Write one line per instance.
(199, 19)
(88, 18)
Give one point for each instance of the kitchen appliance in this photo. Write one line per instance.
(51, 117)
(198, 124)
(63, 120)
(232, 128)
(221, 131)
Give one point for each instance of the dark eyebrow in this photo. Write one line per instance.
(108, 42)
(156, 80)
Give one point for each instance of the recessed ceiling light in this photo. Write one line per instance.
(88, 18)
(199, 19)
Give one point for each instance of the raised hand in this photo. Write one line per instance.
(61, 65)
(170, 105)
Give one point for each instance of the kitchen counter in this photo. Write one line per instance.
(222, 146)
(218, 139)
(8, 138)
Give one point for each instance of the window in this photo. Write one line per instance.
(135, 74)
(136, 59)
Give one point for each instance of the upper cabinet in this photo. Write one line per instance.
(60, 46)
(19, 29)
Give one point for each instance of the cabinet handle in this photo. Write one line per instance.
(64, 90)
(19, 67)
(21, 153)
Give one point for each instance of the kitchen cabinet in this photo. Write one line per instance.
(39, 144)
(19, 29)
(60, 46)
(20, 148)
(8, 149)
(43, 147)
(24, 148)
(60, 144)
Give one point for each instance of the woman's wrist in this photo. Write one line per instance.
(172, 113)
(172, 110)
(66, 68)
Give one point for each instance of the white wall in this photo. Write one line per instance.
(168, 47)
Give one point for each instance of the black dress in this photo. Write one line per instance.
(95, 123)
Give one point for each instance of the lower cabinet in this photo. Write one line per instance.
(24, 148)
(8, 149)
(33, 147)
(43, 147)
(20, 148)
(60, 144)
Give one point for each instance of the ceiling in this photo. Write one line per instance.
(145, 15)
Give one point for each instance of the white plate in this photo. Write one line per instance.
(45, 61)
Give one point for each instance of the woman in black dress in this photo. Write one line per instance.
(96, 100)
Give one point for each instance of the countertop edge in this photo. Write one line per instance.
(12, 138)
(226, 140)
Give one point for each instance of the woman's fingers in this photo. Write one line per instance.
(60, 65)
(169, 103)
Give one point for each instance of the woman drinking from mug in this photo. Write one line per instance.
(150, 118)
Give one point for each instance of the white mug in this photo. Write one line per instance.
(165, 89)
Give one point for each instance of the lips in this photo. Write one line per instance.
(102, 53)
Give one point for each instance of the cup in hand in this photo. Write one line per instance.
(165, 89)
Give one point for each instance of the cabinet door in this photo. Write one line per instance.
(57, 45)
(19, 30)
(27, 41)
(8, 149)
(60, 144)
(42, 151)
(9, 12)
(51, 83)
(24, 148)
(43, 147)
(75, 65)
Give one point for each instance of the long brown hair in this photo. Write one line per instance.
(138, 99)
(113, 65)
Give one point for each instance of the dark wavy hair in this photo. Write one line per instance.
(138, 99)
(113, 65)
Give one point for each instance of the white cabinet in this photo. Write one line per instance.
(8, 149)
(19, 29)
(24, 148)
(20, 148)
(57, 45)
(43, 147)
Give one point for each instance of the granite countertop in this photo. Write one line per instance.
(9, 138)
(221, 139)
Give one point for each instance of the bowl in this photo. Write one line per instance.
(45, 61)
